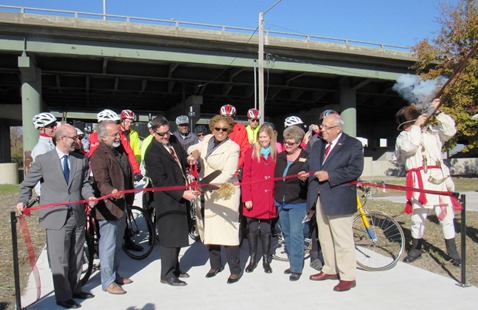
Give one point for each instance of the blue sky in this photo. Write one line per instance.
(402, 23)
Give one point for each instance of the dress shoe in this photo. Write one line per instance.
(173, 281)
(287, 271)
(69, 304)
(294, 276)
(344, 286)
(83, 295)
(233, 278)
(115, 289)
(213, 272)
(323, 276)
(183, 275)
(123, 281)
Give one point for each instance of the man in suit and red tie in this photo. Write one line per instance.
(336, 160)
(64, 176)
(165, 162)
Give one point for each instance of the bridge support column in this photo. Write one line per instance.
(31, 104)
(348, 106)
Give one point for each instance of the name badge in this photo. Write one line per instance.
(302, 159)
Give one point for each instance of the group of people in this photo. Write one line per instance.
(248, 175)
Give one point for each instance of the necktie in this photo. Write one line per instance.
(66, 168)
(171, 150)
(327, 150)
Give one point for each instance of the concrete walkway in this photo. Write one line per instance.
(403, 287)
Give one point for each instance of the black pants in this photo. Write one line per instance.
(169, 261)
(232, 254)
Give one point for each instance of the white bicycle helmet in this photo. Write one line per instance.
(107, 115)
(88, 129)
(327, 113)
(253, 114)
(292, 120)
(182, 119)
(79, 132)
(128, 114)
(43, 119)
(227, 110)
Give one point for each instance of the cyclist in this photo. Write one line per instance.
(127, 120)
(253, 116)
(184, 136)
(108, 115)
(46, 124)
(238, 134)
(201, 132)
(296, 121)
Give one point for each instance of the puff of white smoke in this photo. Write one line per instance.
(415, 90)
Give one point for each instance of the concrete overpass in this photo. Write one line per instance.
(77, 64)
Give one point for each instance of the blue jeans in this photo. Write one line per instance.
(109, 247)
(293, 231)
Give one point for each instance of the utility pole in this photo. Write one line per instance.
(260, 61)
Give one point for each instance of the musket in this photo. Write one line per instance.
(454, 75)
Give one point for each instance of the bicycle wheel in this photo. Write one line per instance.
(379, 247)
(279, 249)
(141, 232)
(88, 258)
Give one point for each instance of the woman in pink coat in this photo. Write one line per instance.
(257, 195)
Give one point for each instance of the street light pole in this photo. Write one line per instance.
(104, 9)
(260, 61)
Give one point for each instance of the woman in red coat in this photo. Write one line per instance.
(258, 196)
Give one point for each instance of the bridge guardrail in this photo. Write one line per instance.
(178, 24)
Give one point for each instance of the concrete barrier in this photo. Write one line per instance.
(9, 173)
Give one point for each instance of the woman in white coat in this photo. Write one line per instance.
(221, 208)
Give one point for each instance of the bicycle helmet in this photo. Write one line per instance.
(253, 114)
(128, 114)
(182, 119)
(87, 129)
(292, 120)
(43, 119)
(79, 132)
(327, 113)
(228, 110)
(107, 115)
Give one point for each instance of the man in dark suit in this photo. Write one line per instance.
(64, 177)
(165, 162)
(336, 160)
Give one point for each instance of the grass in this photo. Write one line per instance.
(434, 258)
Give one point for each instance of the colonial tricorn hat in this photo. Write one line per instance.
(406, 115)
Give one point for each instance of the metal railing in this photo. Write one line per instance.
(182, 24)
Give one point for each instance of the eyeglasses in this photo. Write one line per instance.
(51, 126)
(290, 143)
(73, 138)
(254, 120)
(221, 129)
(162, 134)
(200, 134)
(326, 128)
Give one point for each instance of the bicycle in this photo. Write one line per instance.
(279, 249)
(140, 227)
(91, 244)
(379, 239)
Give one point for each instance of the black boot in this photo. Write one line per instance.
(452, 251)
(266, 240)
(415, 252)
(252, 238)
